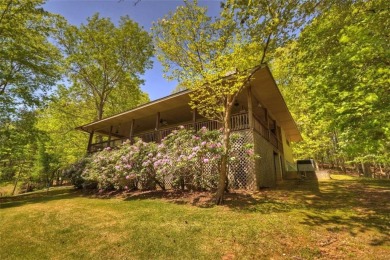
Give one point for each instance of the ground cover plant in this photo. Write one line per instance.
(342, 218)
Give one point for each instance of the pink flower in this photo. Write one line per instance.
(203, 143)
(205, 160)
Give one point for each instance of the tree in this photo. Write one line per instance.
(57, 120)
(103, 59)
(29, 62)
(18, 138)
(341, 64)
(215, 58)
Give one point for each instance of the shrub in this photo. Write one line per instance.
(135, 165)
(184, 158)
(101, 169)
(74, 172)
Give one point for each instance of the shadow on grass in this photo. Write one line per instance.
(355, 206)
(39, 197)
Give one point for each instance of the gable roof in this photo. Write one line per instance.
(263, 87)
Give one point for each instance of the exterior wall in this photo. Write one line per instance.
(288, 153)
(278, 166)
(265, 170)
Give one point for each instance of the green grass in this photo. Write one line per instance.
(300, 220)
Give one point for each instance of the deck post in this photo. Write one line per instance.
(131, 131)
(90, 141)
(267, 123)
(194, 119)
(109, 137)
(250, 107)
(157, 132)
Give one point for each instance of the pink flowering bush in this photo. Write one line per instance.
(101, 169)
(183, 156)
(136, 164)
(183, 160)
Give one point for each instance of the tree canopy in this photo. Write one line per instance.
(103, 59)
(341, 63)
(29, 63)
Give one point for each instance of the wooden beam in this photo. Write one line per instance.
(131, 130)
(250, 107)
(90, 141)
(157, 132)
(109, 137)
(194, 119)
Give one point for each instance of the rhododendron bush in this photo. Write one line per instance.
(183, 160)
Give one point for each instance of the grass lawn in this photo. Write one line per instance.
(343, 218)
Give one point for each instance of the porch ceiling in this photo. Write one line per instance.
(169, 103)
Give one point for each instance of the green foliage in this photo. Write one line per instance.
(104, 61)
(29, 62)
(341, 63)
(58, 121)
(30, 65)
(18, 138)
(200, 52)
(74, 173)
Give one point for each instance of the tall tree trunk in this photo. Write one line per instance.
(100, 110)
(16, 180)
(366, 170)
(15, 184)
(380, 171)
(223, 179)
(343, 168)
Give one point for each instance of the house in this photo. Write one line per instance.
(260, 116)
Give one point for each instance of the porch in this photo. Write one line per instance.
(239, 122)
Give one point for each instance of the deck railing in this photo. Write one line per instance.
(238, 122)
(263, 130)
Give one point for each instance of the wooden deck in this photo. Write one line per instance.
(238, 122)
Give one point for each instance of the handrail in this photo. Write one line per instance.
(238, 121)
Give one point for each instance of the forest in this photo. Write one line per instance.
(330, 59)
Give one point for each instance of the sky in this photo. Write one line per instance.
(145, 12)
